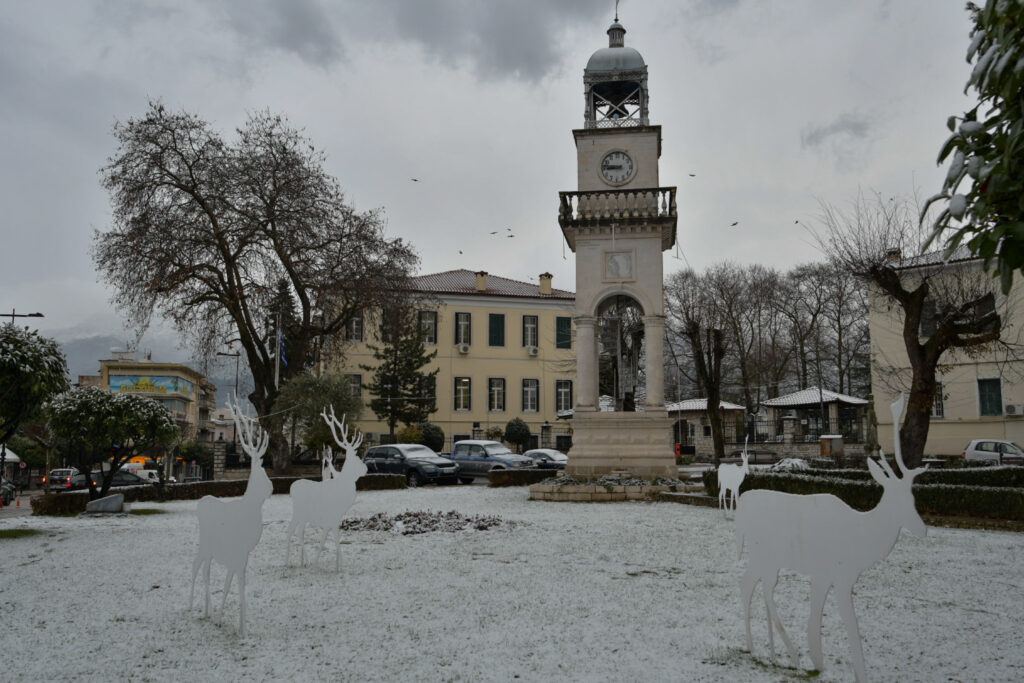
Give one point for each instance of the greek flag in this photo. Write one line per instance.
(280, 346)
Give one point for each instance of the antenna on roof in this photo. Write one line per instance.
(616, 10)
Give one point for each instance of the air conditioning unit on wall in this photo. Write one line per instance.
(532, 350)
(463, 348)
(1014, 409)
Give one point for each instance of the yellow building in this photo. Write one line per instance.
(981, 394)
(504, 350)
(185, 392)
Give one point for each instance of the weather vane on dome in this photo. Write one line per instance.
(616, 10)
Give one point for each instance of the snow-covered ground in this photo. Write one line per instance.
(593, 592)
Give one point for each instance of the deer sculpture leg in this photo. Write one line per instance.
(747, 585)
(241, 603)
(206, 586)
(227, 587)
(768, 585)
(844, 598)
(819, 592)
(196, 563)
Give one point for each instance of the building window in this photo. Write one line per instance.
(355, 385)
(390, 324)
(563, 394)
(354, 329)
(428, 326)
(990, 397)
(463, 328)
(496, 394)
(463, 387)
(531, 395)
(530, 325)
(496, 329)
(563, 333)
(938, 407)
(563, 442)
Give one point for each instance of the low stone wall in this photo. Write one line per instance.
(591, 493)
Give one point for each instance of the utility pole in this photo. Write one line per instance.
(23, 315)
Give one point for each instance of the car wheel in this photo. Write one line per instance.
(412, 479)
(466, 480)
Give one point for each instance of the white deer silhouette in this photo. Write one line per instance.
(230, 529)
(730, 477)
(324, 503)
(821, 536)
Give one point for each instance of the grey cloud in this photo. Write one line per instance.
(848, 124)
(519, 40)
(301, 27)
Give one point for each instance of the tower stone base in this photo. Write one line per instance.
(637, 443)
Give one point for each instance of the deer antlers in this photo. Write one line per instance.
(254, 439)
(332, 422)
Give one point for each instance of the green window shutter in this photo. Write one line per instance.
(563, 333)
(990, 396)
(496, 329)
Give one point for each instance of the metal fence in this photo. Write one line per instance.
(807, 430)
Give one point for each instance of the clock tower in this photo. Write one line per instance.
(618, 222)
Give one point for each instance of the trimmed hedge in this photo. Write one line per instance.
(73, 502)
(519, 477)
(863, 493)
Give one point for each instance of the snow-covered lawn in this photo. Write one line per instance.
(595, 592)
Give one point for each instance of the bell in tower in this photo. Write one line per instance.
(615, 83)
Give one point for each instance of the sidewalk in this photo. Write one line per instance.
(25, 507)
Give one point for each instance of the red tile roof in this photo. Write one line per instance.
(463, 281)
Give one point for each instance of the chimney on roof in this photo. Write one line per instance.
(481, 281)
(545, 283)
(893, 255)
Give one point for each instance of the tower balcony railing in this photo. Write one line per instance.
(577, 208)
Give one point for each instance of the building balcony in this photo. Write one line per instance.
(629, 211)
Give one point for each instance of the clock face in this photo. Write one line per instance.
(617, 167)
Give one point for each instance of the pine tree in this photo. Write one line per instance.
(404, 393)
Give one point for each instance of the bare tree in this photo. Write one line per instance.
(205, 232)
(801, 301)
(945, 303)
(694, 315)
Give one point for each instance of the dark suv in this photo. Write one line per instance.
(418, 464)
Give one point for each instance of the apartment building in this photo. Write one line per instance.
(505, 349)
(980, 393)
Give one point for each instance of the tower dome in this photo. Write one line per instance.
(615, 80)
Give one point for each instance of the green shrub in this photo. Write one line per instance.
(410, 434)
(861, 492)
(74, 502)
(433, 436)
(518, 477)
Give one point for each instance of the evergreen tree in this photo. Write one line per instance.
(404, 392)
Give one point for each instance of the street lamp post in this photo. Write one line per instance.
(234, 428)
(23, 315)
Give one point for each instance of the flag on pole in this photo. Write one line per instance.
(280, 346)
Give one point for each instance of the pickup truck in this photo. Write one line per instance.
(477, 459)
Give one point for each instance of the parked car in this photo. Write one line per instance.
(994, 451)
(121, 478)
(477, 459)
(417, 463)
(8, 492)
(547, 458)
(60, 479)
(790, 465)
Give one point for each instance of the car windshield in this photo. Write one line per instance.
(495, 449)
(419, 452)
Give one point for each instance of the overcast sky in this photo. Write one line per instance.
(774, 106)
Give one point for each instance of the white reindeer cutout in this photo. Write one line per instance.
(821, 536)
(730, 477)
(323, 504)
(230, 529)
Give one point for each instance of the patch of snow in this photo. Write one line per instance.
(570, 591)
